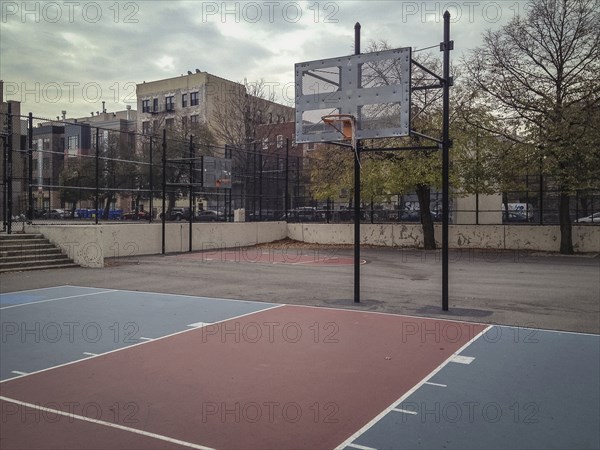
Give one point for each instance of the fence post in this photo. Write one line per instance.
(164, 188)
(97, 196)
(191, 192)
(9, 171)
(287, 177)
(30, 167)
(151, 184)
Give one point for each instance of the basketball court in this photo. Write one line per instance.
(97, 368)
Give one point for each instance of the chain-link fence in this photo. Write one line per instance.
(104, 170)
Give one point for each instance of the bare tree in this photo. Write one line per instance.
(538, 79)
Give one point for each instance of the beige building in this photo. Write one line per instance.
(201, 98)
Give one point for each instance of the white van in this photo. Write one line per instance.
(519, 212)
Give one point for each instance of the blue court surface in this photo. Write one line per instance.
(507, 387)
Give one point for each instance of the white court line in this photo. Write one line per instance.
(59, 298)
(17, 372)
(405, 411)
(435, 384)
(460, 359)
(90, 354)
(145, 339)
(383, 413)
(138, 344)
(107, 424)
(360, 447)
(199, 324)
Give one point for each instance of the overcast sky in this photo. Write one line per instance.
(72, 55)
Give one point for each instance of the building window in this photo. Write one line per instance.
(169, 123)
(170, 103)
(35, 165)
(145, 106)
(146, 127)
(46, 144)
(293, 141)
(279, 141)
(311, 146)
(194, 118)
(194, 97)
(184, 122)
(183, 100)
(155, 105)
(73, 145)
(265, 143)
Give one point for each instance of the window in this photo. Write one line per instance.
(184, 122)
(170, 103)
(46, 144)
(35, 165)
(293, 141)
(194, 118)
(194, 97)
(311, 146)
(155, 105)
(146, 127)
(146, 106)
(279, 141)
(169, 123)
(183, 100)
(265, 143)
(73, 145)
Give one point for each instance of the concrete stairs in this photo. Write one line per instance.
(30, 252)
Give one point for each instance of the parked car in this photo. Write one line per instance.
(594, 218)
(209, 216)
(56, 214)
(515, 217)
(132, 215)
(179, 214)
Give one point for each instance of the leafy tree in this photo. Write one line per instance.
(537, 81)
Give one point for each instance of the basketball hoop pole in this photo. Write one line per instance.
(356, 149)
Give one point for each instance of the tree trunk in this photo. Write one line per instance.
(107, 207)
(566, 237)
(423, 194)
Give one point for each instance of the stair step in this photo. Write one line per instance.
(39, 257)
(19, 236)
(29, 252)
(35, 262)
(39, 245)
(40, 267)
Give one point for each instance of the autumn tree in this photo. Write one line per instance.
(537, 80)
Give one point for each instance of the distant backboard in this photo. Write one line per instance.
(217, 172)
(373, 87)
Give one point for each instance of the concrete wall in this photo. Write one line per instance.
(89, 245)
(507, 237)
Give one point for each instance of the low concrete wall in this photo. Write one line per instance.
(88, 245)
(507, 237)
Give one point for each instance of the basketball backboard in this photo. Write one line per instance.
(372, 87)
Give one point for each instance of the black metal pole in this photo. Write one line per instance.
(97, 194)
(191, 200)
(260, 185)
(9, 171)
(30, 167)
(357, 190)
(151, 183)
(4, 182)
(164, 190)
(446, 47)
(287, 178)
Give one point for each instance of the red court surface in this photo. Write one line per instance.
(285, 378)
(252, 255)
